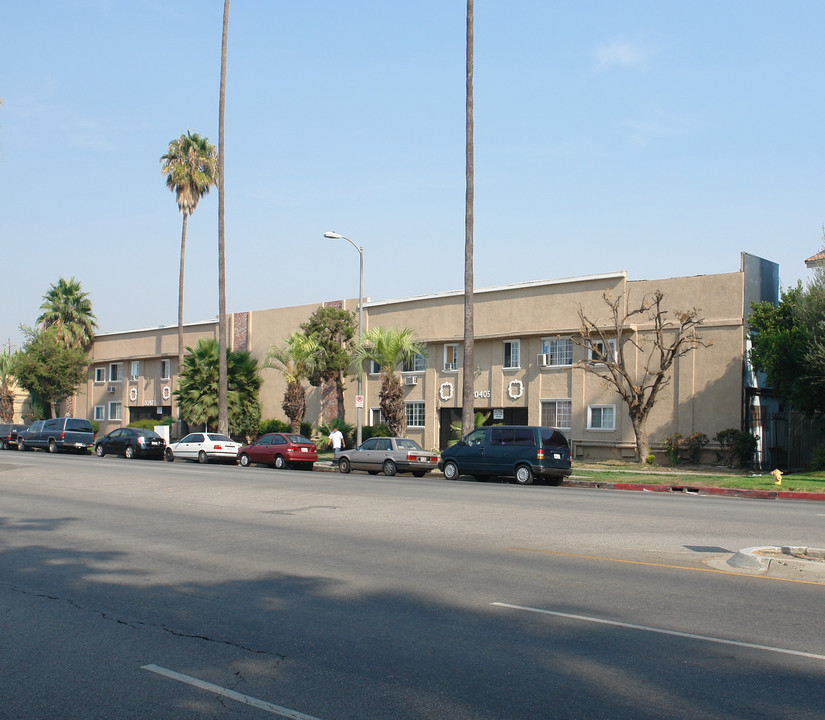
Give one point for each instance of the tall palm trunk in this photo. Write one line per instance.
(180, 295)
(468, 411)
(223, 414)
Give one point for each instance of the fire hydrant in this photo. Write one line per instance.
(777, 477)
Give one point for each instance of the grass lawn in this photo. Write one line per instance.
(698, 477)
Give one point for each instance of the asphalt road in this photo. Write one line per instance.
(141, 589)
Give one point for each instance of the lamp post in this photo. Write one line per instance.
(358, 410)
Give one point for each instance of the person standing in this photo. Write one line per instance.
(336, 439)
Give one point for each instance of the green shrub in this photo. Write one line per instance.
(95, 426)
(145, 424)
(736, 446)
(817, 460)
(672, 444)
(368, 431)
(694, 444)
(275, 425)
(650, 459)
(324, 431)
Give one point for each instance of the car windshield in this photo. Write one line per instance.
(217, 437)
(407, 444)
(552, 438)
(149, 434)
(298, 440)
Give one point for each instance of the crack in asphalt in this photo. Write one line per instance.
(141, 625)
(292, 511)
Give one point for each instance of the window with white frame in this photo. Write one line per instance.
(377, 417)
(100, 413)
(597, 352)
(373, 368)
(165, 369)
(556, 413)
(559, 351)
(512, 353)
(417, 363)
(135, 372)
(100, 374)
(451, 356)
(601, 417)
(415, 414)
(115, 372)
(115, 411)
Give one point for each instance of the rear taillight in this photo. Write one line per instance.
(411, 458)
(218, 447)
(141, 440)
(540, 454)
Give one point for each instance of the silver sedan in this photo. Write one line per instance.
(389, 455)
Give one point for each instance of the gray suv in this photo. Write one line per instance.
(518, 451)
(63, 433)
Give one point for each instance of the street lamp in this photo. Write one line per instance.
(359, 410)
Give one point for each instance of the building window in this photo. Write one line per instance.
(133, 375)
(377, 417)
(415, 414)
(100, 413)
(115, 372)
(601, 417)
(559, 351)
(417, 363)
(115, 411)
(100, 374)
(597, 353)
(451, 356)
(512, 353)
(165, 369)
(374, 368)
(556, 413)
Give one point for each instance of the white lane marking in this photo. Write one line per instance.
(662, 631)
(226, 692)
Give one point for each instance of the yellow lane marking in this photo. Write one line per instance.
(664, 565)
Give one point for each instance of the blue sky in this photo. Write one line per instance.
(660, 138)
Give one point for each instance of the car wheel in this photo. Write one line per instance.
(524, 475)
(5, 445)
(389, 468)
(344, 466)
(202, 457)
(129, 452)
(280, 463)
(244, 459)
(169, 455)
(99, 451)
(52, 446)
(21, 445)
(418, 474)
(451, 470)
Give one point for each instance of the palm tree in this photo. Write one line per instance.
(190, 168)
(388, 348)
(6, 393)
(295, 361)
(469, 337)
(68, 309)
(197, 394)
(222, 370)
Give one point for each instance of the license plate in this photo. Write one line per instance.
(304, 449)
(556, 456)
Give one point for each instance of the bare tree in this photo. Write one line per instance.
(658, 347)
(468, 410)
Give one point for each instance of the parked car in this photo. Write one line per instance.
(389, 455)
(8, 435)
(131, 442)
(521, 452)
(203, 447)
(280, 450)
(63, 433)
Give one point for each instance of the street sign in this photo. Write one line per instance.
(359, 401)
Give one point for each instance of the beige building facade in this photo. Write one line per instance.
(527, 366)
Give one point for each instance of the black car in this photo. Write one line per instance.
(131, 443)
(8, 435)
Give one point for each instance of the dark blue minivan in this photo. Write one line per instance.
(518, 451)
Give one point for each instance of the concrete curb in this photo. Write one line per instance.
(328, 466)
(784, 562)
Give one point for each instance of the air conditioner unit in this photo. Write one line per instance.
(411, 380)
(110, 388)
(542, 360)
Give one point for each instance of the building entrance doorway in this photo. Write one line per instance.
(448, 416)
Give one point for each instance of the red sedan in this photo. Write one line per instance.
(281, 450)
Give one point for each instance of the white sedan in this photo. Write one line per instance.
(203, 447)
